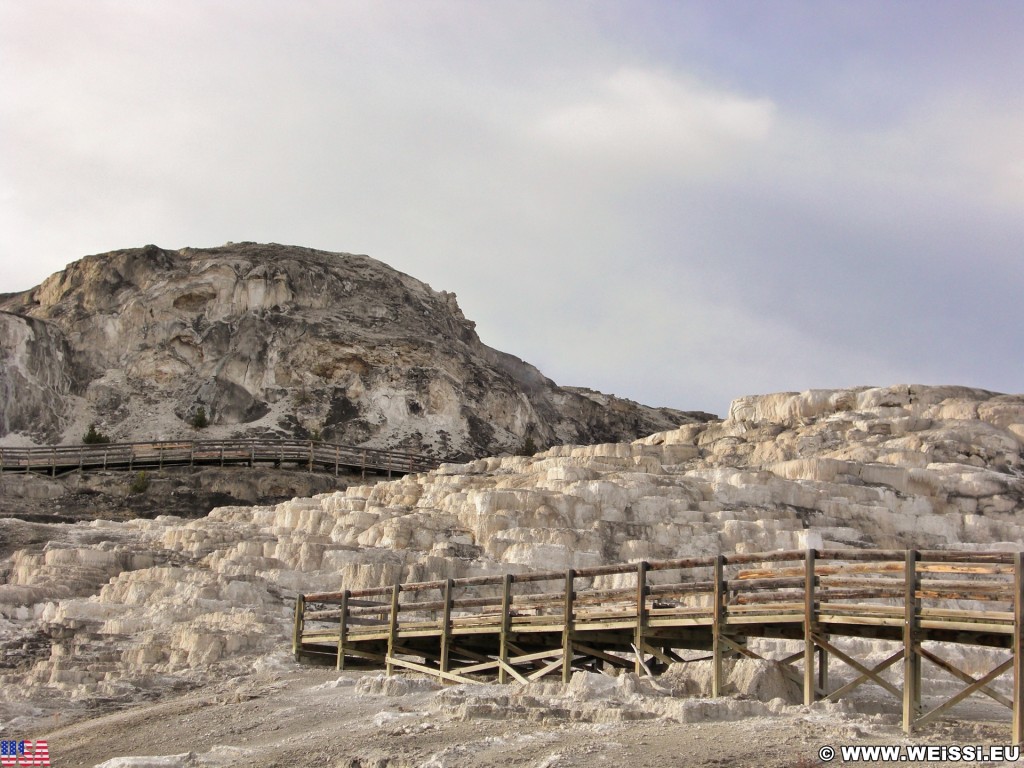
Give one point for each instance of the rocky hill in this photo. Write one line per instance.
(270, 339)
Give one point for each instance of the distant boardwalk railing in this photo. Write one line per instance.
(638, 616)
(310, 455)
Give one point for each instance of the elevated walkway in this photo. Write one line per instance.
(310, 455)
(638, 616)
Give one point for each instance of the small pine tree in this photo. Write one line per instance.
(94, 436)
(529, 447)
(140, 484)
(199, 421)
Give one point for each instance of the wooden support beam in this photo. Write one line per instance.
(911, 657)
(643, 664)
(393, 626)
(483, 666)
(739, 648)
(567, 627)
(656, 653)
(396, 662)
(976, 686)
(342, 630)
(424, 654)
(300, 608)
(868, 673)
(525, 658)
(596, 653)
(446, 626)
(864, 677)
(718, 616)
(508, 668)
(641, 611)
(381, 658)
(822, 672)
(810, 626)
(506, 623)
(964, 677)
(468, 654)
(547, 668)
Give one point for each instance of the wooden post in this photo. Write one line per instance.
(810, 622)
(911, 658)
(192, 453)
(1018, 648)
(342, 629)
(364, 464)
(446, 626)
(567, 633)
(53, 462)
(222, 455)
(716, 627)
(823, 670)
(393, 626)
(300, 609)
(641, 613)
(506, 625)
(337, 456)
(310, 455)
(104, 459)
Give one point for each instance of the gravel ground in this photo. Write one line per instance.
(285, 715)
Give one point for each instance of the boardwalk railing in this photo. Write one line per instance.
(639, 616)
(311, 455)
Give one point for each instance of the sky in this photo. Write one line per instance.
(676, 202)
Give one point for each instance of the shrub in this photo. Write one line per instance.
(199, 421)
(528, 448)
(140, 484)
(94, 436)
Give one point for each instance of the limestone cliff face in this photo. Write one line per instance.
(35, 378)
(274, 339)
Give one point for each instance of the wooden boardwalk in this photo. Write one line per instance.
(639, 617)
(311, 455)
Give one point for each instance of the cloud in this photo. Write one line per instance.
(678, 218)
(651, 121)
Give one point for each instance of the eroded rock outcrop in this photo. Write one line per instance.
(270, 339)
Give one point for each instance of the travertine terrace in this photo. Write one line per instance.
(114, 609)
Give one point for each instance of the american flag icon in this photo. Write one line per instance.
(24, 754)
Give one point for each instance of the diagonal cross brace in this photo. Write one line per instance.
(869, 674)
(977, 685)
(964, 677)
